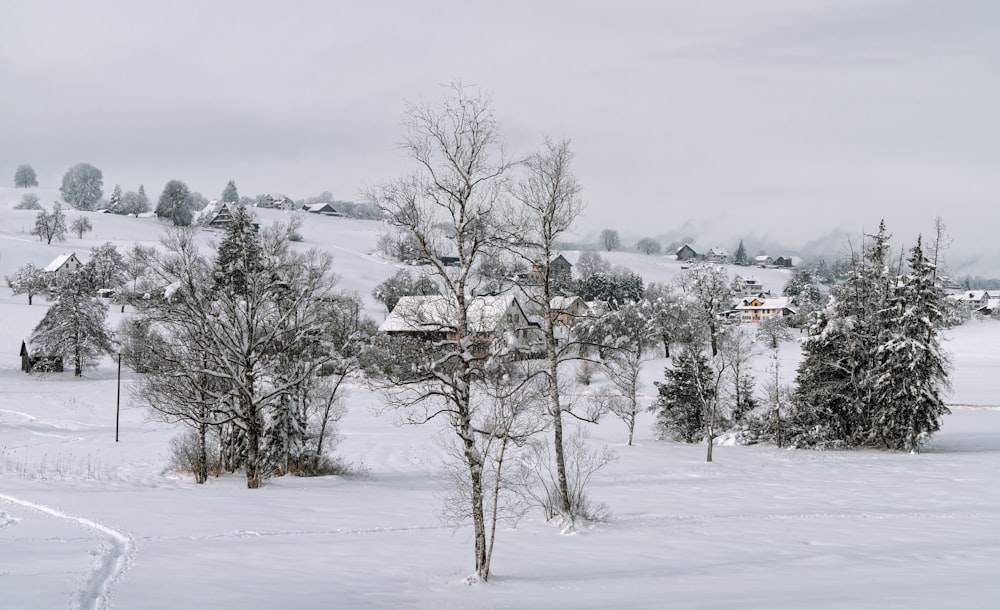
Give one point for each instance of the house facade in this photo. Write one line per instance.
(754, 310)
(495, 323)
(64, 264)
(687, 252)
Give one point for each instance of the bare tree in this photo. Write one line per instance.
(609, 239)
(458, 183)
(648, 246)
(549, 197)
(624, 337)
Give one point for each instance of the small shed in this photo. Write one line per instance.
(32, 362)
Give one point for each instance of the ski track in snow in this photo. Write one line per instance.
(110, 562)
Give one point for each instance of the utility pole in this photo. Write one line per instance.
(118, 400)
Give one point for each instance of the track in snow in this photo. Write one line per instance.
(109, 565)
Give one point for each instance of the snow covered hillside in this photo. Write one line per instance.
(86, 522)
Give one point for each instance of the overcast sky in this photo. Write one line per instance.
(777, 120)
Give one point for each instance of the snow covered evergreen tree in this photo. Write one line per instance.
(910, 368)
(230, 194)
(175, 204)
(684, 397)
(75, 325)
(114, 201)
(239, 255)
(740, 258)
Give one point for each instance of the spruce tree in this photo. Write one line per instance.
(239, 255)
(75, 326)
(910, 368)
(684, 397)
(230, 194)
(740, 258)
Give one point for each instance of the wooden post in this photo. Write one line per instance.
(118, 400)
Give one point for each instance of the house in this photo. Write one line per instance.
(276, 201)
(324, 209)
(565, 311)
(63, 264)
(687, 252)
(754, 310)
(784, 261)
(560, 272)
(973, 300)
(991, 307)
(718, 255)
(495, 322)
(32, 362)
(748, 286)
(223, 217)
(763, 261)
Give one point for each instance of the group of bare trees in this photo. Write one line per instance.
(468, 198)
(247, 349)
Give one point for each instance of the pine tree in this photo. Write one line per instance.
(682, 405)
(75, 325)
(740, 258)
(230, 194)
(910, 368)
(115, 199)
(239, 254)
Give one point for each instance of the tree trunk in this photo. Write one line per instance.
(555, 408)
(252, 465)
(202, 475)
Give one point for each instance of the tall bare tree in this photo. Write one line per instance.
(549, 198)
(457, 184)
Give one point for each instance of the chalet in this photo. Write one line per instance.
(972, 300)
(33, 362)
(63, 264)
(763, 261)
(276, 201)
(754, 310)
(323, 209)
(496, 323)
(718, 255)
(223, 217)
(565, 312)
(784, 261)
(991, 307)
(560, 272)
(747, 287)
(687, 252)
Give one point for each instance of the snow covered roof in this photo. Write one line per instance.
(562, 303)
(769, 303)
(438, 312)
(717, 251)
(61, 260)
(972, 295)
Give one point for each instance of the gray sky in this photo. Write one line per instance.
(776, 120)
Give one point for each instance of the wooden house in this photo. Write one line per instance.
(323, 209)
(687, 252)
(495, 323)
(32, 362)
(754, 310)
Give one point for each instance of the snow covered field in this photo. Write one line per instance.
(89, 523)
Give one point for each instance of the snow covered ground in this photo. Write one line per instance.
(86, 522)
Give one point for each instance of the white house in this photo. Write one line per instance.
(63, 264)
(754, 310)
